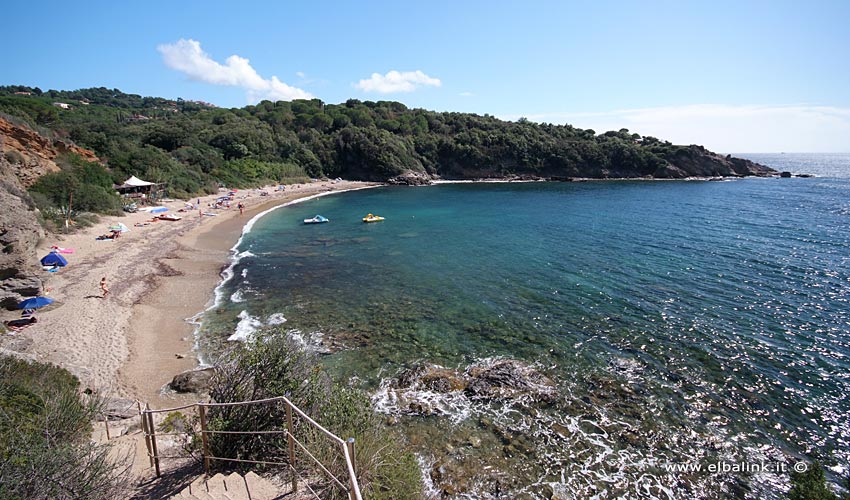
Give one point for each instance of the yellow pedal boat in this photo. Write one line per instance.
(372, 218)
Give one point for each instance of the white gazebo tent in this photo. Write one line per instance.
(137, 188)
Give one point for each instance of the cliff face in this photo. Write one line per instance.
(20, 232)
(25, 156)
(30, 155)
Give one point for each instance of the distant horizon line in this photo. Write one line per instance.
(790, 153)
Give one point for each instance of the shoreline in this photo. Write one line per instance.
(203, 257)
(161, 275)
(497, 180)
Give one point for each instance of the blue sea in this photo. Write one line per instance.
(680, 322)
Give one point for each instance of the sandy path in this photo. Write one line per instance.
(133, 342)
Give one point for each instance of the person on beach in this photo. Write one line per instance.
(19, 324)
(103, 287)
(241, 208)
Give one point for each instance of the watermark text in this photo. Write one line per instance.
(736, 467)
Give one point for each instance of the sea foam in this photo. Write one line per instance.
(246, 327)
(275, 319)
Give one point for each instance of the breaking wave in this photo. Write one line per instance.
(245, 329)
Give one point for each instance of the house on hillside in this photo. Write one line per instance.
(62, 105)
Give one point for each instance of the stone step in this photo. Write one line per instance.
(215, 485)
(259, 488)
(236, 487)
(231, 487)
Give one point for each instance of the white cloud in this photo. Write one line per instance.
(466, 94)
(187, 57)
(726, 128)
(299, 74)
(395, 81)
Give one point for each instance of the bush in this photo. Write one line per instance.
(385, 470)
(87, 186)
(257, 371)
(811, 485)
(185, 430)
(15, 157)
(45, 450)
(270, 366)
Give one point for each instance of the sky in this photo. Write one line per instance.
(735, 76)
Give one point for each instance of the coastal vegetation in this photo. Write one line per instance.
(80, 188)
(195, 147)
(45, 447)
(271, 365)
(811, 485)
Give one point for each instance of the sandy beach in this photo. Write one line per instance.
(159, 274)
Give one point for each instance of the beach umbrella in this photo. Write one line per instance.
(120, 227)
(53, 259)
(35, 303)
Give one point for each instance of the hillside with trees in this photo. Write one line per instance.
(195, 146)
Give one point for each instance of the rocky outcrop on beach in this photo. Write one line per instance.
(20, 232)
(25, 156)
(197, 381)
(411, 178)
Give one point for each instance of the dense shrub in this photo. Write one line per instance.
(272, 366)
(45, 450)
(811, 485)
(86, 186)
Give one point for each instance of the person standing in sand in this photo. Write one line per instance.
(103, 287)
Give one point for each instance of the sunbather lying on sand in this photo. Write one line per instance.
(20, 324)
(113, 235)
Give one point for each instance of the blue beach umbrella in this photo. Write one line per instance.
(35, 303)
(53, 259)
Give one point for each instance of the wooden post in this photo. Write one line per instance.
(291, 441)
(153, 444)
(202, 412)
(349, 443)
(143, 416)
(106, 424)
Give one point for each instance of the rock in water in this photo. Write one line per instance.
(504, 379)
(443, 380)
(509, 379)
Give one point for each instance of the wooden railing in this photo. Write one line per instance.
(349, 485)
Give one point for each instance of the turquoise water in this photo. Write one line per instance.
(682, 322)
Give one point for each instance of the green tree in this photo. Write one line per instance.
(811, 485)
